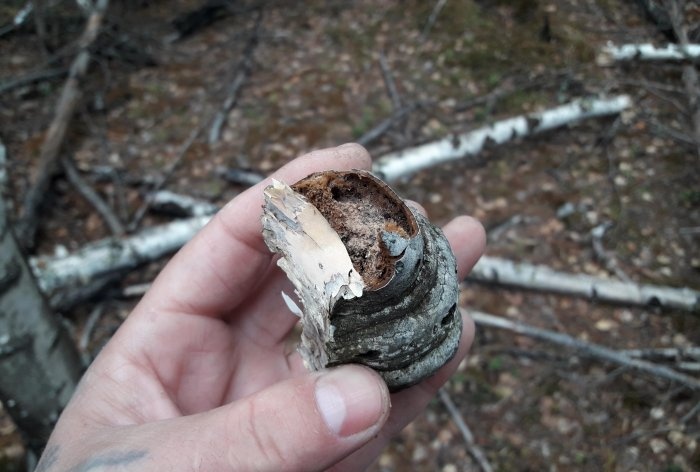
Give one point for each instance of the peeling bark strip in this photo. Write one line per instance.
(648, 52)
(399, 164)
(39, 366)
(378, 282)
(538, 277)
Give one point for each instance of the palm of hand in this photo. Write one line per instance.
(203, 361)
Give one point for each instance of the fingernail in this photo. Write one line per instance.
(350, 399)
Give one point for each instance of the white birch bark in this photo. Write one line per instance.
(538, 277)
(647, 52)
(112, 254)
(402, 163)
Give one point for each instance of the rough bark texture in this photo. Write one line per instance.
(39, 365)
(401, 317)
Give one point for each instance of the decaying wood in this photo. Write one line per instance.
(648, 52)
(537, 277)
(50, 151)
(472, 447)
(402, 163)
(585, 349)
(378, 281)
(39, 365)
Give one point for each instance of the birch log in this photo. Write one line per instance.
(538, 277)
(399, 164)
(39, 365)
(95, 260)
(647, 52)
(113, 254)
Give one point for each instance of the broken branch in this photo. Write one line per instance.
(473, 449)
(538, 277)
(585, 349)
(648, 52)
(48, 158)
(399, 164)
(113, 254)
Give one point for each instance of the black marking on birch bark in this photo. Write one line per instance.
(404, 323)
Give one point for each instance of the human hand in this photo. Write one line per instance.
(200, 378)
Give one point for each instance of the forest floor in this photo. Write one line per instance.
(316, 81)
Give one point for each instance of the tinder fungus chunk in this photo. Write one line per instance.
(377, 280)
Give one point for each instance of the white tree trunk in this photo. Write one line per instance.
(399, 164)
(537, 277)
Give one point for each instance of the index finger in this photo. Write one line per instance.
(224, 262)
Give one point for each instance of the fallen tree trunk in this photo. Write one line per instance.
(537, 277)
(113, 254)
(648, 52)
(585, 349)
(56, 273)
(39, 365)
(402, 163)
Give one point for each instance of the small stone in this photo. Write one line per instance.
(449, 468)
(658, 445)
(605, 325)
(420, 453)
(657, 413)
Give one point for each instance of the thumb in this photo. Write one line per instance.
(305, 423)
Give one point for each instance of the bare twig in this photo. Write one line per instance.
(104, 210)
(690, 73)
(603, 255)
(381, 128)
(389, 82)
(90, 325)
(3, 168)
(19, 19)
(439, 5)
(48, 158)
(585, 349)
(664, 353)
(32, 77)
(473, 449)
(243, 71)
(165, 176)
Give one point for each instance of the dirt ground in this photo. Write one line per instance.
(316, 81)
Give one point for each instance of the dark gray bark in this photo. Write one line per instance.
(39, 364)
